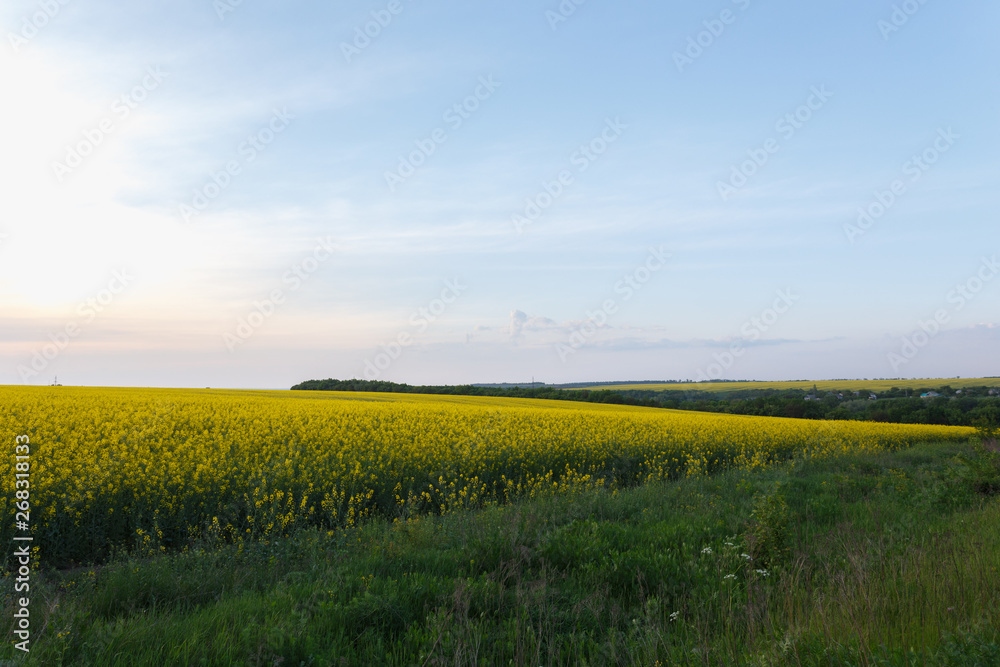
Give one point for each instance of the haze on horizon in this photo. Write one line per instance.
(231, 194)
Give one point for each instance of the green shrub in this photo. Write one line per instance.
(766, 534)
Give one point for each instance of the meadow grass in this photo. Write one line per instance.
(865, 559)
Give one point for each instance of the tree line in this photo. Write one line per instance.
(969, 406)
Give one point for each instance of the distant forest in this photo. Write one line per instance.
(602, 396)
(969, 406)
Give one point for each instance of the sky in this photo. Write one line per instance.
(251, 193)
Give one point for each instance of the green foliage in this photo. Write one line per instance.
(766, 534)
(542, 392)
(981, 470)
(988, 424)
(973, 405)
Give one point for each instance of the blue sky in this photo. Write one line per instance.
(201, 193)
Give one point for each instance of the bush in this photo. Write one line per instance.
(987, 426)
(766, 534)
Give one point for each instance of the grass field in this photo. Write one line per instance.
(822, 385)
(884, 558)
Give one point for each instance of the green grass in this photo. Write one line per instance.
(877, 560)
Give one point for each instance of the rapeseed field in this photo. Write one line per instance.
(155, 469)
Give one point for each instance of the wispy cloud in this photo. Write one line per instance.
(323, 175)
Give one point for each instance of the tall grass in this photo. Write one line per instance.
(861, 560)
